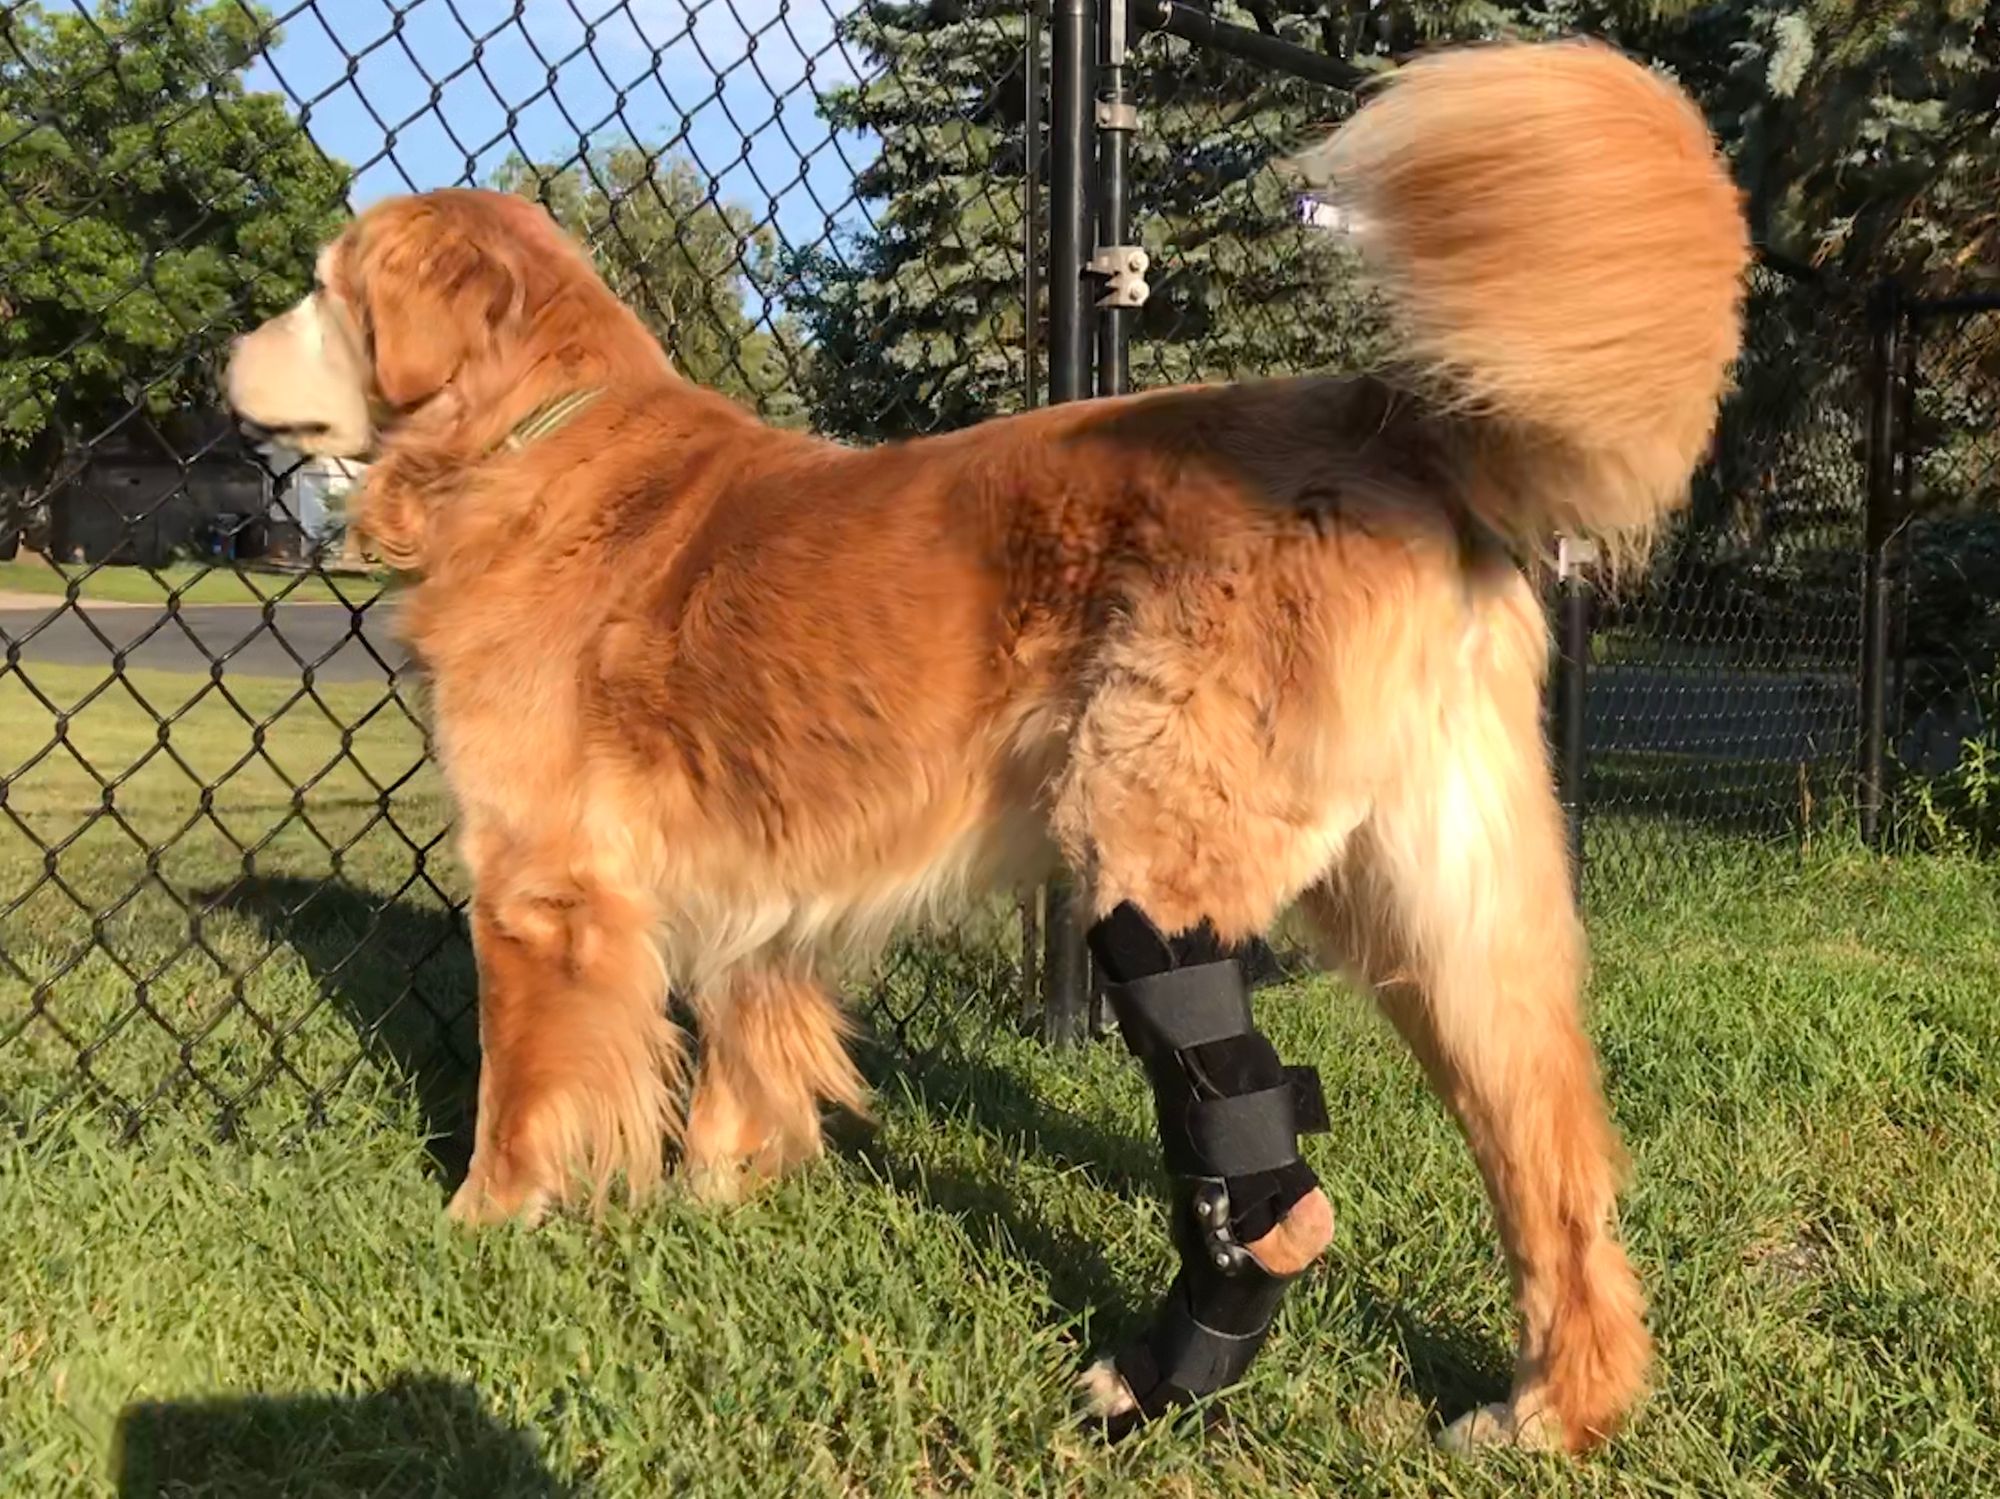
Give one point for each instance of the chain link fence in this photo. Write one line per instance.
(1722, 692)
(1945, 698)
(226, 875)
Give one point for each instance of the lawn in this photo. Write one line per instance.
(191, 582)
(1803, 1051)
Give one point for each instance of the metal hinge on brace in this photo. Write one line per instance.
(1123, 268)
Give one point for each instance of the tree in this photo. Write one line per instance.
(1865, 132)
(698, 270)
(919, 321)
(1864, 135)
(150, 208)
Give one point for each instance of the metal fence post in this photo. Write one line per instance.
(1885, 315)
(1572, 675)
(1072, 56)
(1121, 265)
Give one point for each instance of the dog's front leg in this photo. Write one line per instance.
(774, 1049)
(580, 1070)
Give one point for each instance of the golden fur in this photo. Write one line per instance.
(718, 701)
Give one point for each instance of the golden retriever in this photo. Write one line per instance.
(717, 701)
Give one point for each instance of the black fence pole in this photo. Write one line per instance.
(1034, 939)
(1117, 272)
(1196, 24)
(1885, 315)
(1072, 162)
(1114, 260)
(1072, 57)
(1034, 139)
(1571, 684)
(1909, 352)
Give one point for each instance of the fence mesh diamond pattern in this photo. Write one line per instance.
(226, 874)
(1949, 542)
(225, 861)
(1722, 688)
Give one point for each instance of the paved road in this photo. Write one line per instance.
(340, 647)
(1769, 716)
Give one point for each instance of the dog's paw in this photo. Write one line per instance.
(717, 1183)
(480, 1201)
(1503, 1426)
(1104, 1394)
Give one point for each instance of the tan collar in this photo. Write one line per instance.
(549, 417)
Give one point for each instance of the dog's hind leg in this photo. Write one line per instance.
(1189, 844)
(1454, 904)
(774, 1050)
(1246, 1211)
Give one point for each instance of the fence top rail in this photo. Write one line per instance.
(1193, 24)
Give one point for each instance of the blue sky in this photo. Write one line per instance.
(574, 70)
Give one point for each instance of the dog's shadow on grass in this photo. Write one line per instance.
(402, 974)
(419, 1435)
(998, 1105)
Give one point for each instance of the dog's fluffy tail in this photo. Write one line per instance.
(1565, 250)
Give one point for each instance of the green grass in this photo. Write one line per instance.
(1804, 1053)
(191, 582)
(1646, 645)
(158, 796)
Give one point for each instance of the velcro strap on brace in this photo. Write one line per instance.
(1191, 1355)
(1205, 1335)
(1182, 1008)
(1182, 1357)
(1258, 1131)
(1240, 1134)
(1166, 1016)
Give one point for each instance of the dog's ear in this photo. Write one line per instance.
(433, 296)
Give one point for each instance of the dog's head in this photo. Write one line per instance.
(426, 309)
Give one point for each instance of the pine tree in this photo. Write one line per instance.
(919, 322)
(1865, 132)
(1864, 135)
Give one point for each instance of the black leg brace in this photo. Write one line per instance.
(1229, 1116)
